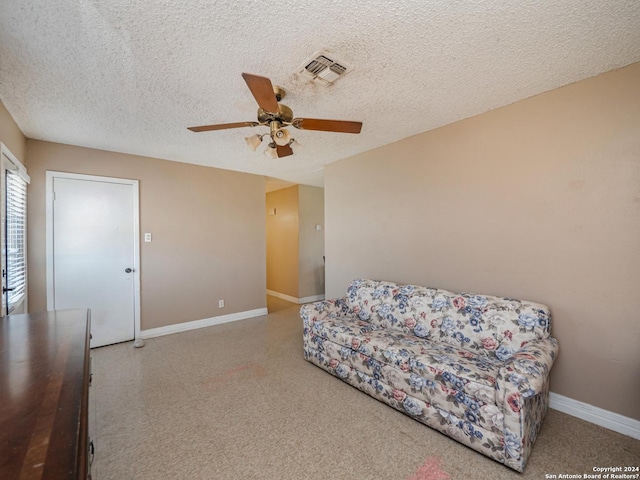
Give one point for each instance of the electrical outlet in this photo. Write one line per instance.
(220, 303)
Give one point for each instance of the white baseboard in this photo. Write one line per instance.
(604, 418)
(289, 298)
(206, 322)
(315, 298)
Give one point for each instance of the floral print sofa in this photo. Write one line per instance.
(474, 367)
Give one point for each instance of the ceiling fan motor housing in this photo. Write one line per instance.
(285, 115)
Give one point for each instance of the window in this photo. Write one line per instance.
(14, 228)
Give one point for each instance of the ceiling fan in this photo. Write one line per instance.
(276, 116)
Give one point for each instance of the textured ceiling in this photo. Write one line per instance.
(131, 75)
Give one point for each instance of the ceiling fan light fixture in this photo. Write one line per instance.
(281, 137)
(271, 151)
(253, 141)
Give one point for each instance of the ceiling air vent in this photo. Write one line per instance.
(323, 69)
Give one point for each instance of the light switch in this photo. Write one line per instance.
(147, 237)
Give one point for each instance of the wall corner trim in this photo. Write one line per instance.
(599, 416)
(205, 322)
(289, 298)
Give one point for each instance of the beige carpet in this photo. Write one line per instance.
(238, 401)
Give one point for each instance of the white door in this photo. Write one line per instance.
(94, 253)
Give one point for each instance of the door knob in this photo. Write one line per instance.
(128, 270)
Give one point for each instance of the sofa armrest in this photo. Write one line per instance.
(527, 370)
(311, 312)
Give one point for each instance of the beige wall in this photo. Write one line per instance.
(208, 231)
(282, 241)
(311, 241)
(538, 200)
(11, 135)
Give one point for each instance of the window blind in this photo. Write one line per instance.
(16, 226)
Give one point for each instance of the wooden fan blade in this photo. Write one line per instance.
(342, 126)
(262, 91)
(284, 151)
(222, 126)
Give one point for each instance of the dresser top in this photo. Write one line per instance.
(44, 379)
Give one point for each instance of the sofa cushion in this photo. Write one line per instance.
(493, 327)
(456, 369)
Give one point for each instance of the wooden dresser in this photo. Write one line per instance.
(44, 395)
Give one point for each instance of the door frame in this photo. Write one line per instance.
(51, 175)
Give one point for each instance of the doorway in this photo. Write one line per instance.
(93, 252)
(295, 243)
